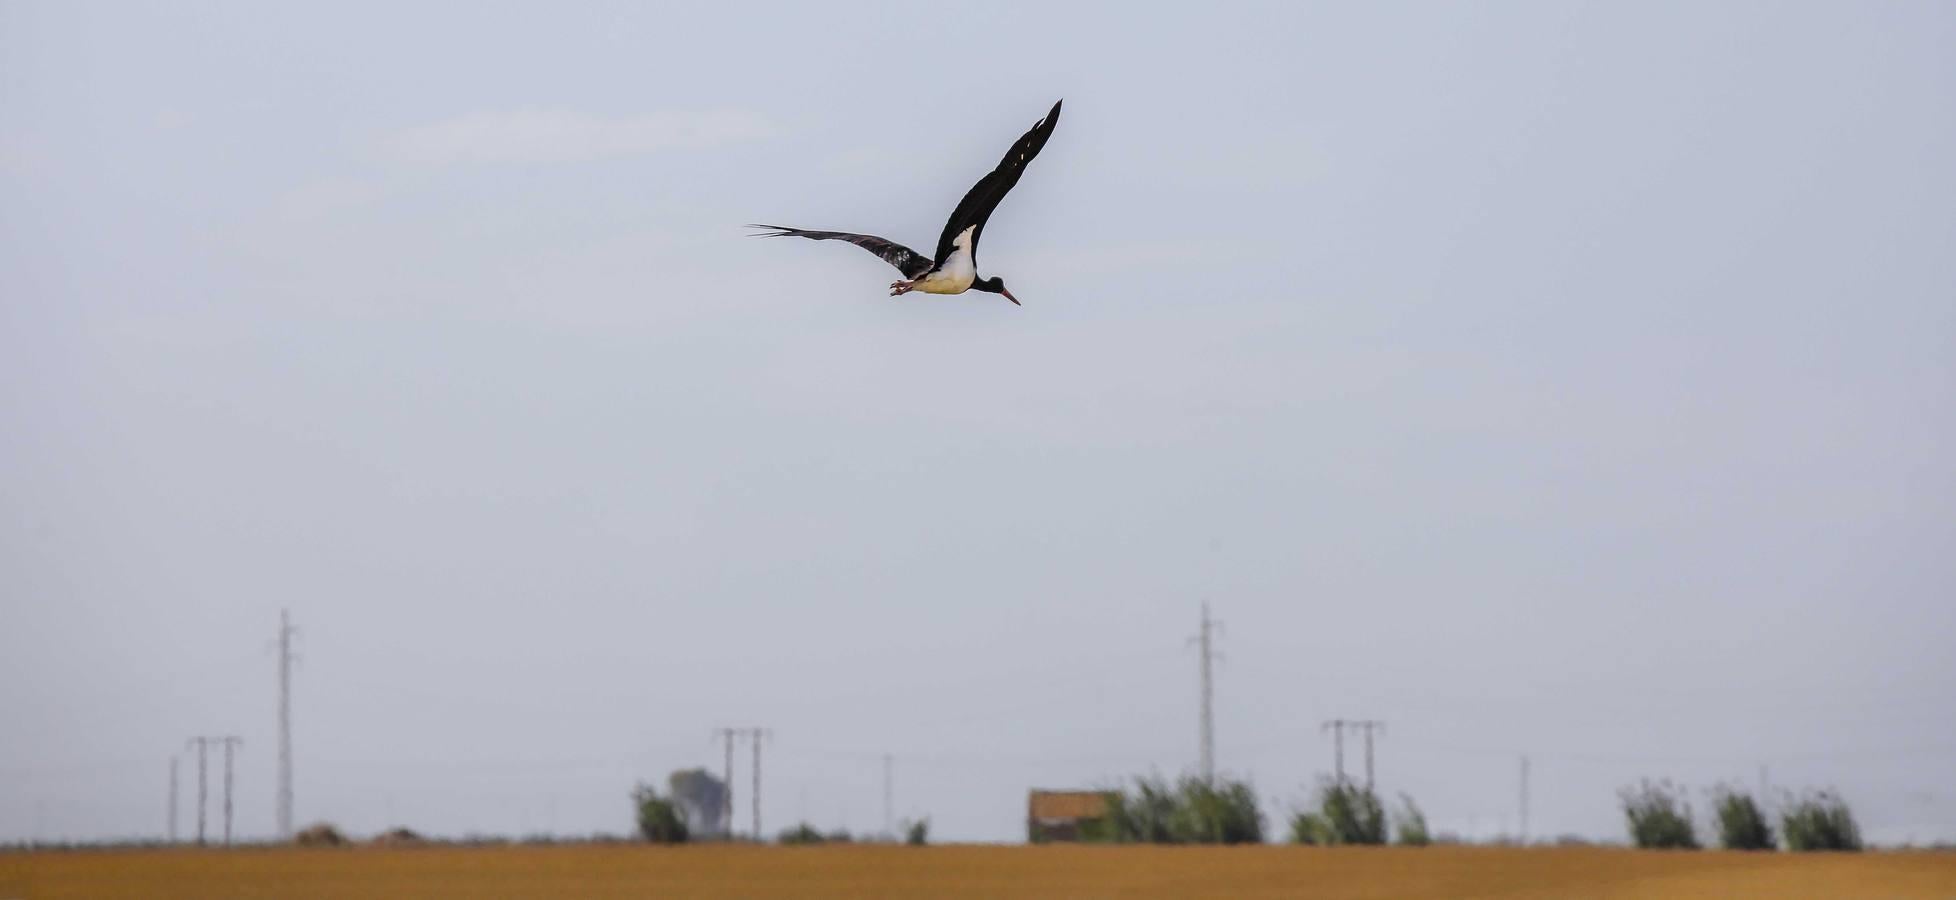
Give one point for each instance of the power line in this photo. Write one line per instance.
(1524, 799)
(1368, 726)
(285, 656)
(1337, 729)
(1204, 638)
(889, 821)
(203, 745)
(726, 796)
(229, 742)
(756, 735)
(171, 830)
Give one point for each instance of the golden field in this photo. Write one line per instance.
(966, 871)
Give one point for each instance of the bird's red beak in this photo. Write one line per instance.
(1008, 296)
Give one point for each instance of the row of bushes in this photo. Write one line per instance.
(1189, 811)
(663, 819)
(915, 833)
(1192, 810)
(1659, 816)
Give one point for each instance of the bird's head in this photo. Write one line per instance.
(995, 285)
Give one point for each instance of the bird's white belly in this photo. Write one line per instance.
(957, 273)
(948, 280)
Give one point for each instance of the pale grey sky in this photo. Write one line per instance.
(1554, 378)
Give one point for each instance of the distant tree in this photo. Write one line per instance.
(802, 834)
(659, 819)
(1819, 820)
(1307, 827)
(1741, 825)
(398, 836)
(1144, 814)
(1218, 812)
(916, 833)
(702, 800)
(321, 834)
(1354, 813)
(1659, 816)
(1190, 811)
(1410, 824)
(1346, 814)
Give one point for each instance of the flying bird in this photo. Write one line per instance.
(954, 268)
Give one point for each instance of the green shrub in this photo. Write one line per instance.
(1820, 820)
(1191, 811)
(1310, 828)
(1345, 814)
(1741, 824)
(1410, 824)
(1354, 813)
(1659, 816)
(658, 817)
(917, 833)
(803, 833)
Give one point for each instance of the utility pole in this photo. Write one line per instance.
(229, 743)
(172, 830)
(889, 821)
(203, 746)
(757, 734)
(285, 632)
(1524, 800)
(1205, 640)
(727, 735)
(1337, 729)
(1368, 726)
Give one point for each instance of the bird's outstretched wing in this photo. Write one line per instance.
(983, 197)
(911, 263)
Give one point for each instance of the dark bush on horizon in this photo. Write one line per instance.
(320, 834)
(659, 819)
(1659, 816)
(1741, 824)
(1345, 814)
(1819, 820)
(1409, 824)
(1191, 811)
(804, 834)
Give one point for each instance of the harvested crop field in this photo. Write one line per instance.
(967, 871)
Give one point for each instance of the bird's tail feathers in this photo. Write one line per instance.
(774, 231)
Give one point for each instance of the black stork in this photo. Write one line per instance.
(954, 269)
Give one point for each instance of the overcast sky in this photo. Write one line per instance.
(1562, 379)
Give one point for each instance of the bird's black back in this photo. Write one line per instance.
(984, 196)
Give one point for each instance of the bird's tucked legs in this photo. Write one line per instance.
(899, 288)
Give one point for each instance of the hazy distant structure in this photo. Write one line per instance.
(1337, 729)
(229, 742)
(1205, 640)
(702, 800)
(285, 633)
(1063, 816)
(171, 828)
(754, 734)
(1524, 798)
(889, 820)
(757, 734)
(727, 736)
(202, 744)
(1368, 726)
